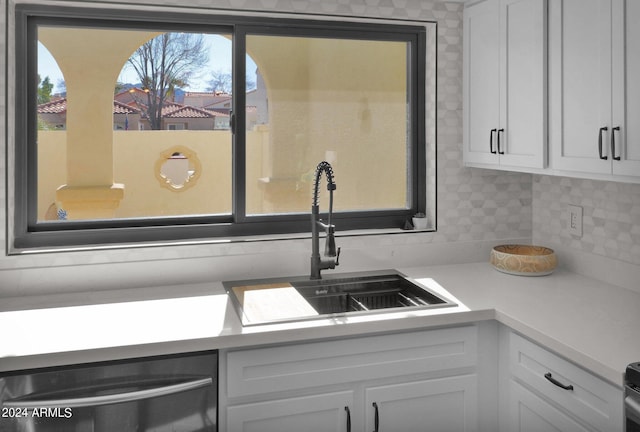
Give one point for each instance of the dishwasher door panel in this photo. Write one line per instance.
(171, 393)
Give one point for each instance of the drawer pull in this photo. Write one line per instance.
(552, 380)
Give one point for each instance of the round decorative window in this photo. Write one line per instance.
(178, 168)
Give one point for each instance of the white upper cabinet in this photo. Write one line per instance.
(594, 87)
(505, 84)
(481, 82)
(626, 87)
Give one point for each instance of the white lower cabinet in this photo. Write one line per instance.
(438, 405)
(415, 381)
(476, 378)
(442, 405)
(544, 392)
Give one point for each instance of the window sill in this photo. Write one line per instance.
(216, 241)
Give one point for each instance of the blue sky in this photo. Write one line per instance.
(219, 59)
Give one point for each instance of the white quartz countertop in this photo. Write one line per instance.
(591, 323)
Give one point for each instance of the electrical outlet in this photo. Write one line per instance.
(575, 220)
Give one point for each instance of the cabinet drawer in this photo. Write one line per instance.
(265, 370)
(529, 412)
(594, 401)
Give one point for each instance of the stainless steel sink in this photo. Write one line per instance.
(299, 298)
(366, 293)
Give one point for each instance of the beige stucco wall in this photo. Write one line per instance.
(52, 168)
(136, 154)
(91, 60)
(344, 100)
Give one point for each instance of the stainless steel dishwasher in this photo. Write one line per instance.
(176, 393)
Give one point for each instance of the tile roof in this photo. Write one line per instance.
(184, 111)
(59, 106)
(120, 108)
(169, 110)
(206, 94)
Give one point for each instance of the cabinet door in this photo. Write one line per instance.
(580, 84)
(504, 83)
(438, 405)
(317, 413)
(522, 136)
(530, 413)
(481, 82)
(626, 87)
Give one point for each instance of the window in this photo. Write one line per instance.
(259, 102)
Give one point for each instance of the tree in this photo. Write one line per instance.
(165, 63)
(62, 86)
(223, 82)
(45, 87)
(220, 82)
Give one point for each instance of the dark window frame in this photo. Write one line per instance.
(28, 233)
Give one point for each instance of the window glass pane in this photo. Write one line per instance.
(340, 100)
(122, 152)
(132, 124)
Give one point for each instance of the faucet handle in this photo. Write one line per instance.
(338, 257)
(330, 242)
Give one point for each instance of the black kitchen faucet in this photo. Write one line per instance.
(319, 263)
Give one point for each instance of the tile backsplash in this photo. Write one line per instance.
(611, 216)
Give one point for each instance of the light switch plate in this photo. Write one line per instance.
(575, 220)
